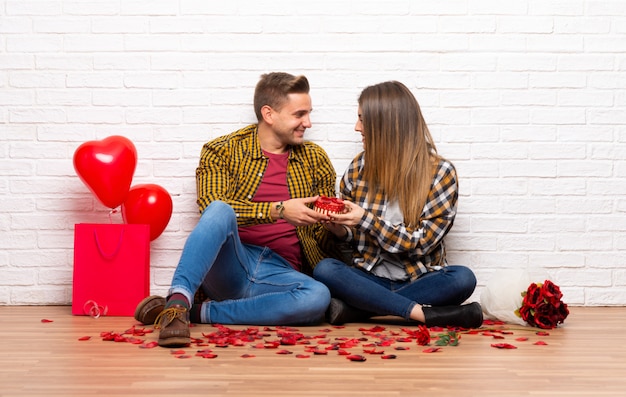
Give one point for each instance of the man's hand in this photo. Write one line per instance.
(297, 213)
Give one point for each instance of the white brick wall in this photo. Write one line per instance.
(526, 97)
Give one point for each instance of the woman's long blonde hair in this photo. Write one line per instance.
(400, 155)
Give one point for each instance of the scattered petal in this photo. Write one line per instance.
(377, 328)
(302, 356)
(388, 357)
(247, 355)
(542, 333)
(84, 338)
(521, 339)
(432, 350)
(356, 357)
(149, 345)
(540, 343)
(503, 346)
(45, 320)
(284, 352)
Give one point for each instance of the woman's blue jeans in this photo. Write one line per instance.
(247, 284)
(451, 285)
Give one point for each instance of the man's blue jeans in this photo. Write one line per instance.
(451, 285)
(247, 284)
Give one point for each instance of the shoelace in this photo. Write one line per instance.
(168, 315)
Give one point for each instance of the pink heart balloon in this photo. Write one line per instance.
(107, 168)
(148, 204)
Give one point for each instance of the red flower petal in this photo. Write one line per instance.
(356, 357)
(521, 339)
(540, 343)
(373, 351)
(377, 328)
(388, 357)
(503, 346)
(432, 350)
(343, 352)
(45, 320)
(283, 352)
(177, 352)
(84, 338)
(302, 356)
(149, 345)
(402, 348)
(183, 356)
(247, 355)
(542, 333)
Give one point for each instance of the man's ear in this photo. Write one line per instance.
(267, 113)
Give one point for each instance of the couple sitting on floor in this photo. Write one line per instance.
(261, 255)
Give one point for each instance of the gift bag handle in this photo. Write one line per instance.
(106, 255)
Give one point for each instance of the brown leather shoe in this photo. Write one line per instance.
(174, 325)
(149, 309)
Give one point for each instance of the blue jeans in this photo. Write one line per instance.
(247, 284)
(451, 285)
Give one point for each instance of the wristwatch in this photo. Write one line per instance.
(280, 207)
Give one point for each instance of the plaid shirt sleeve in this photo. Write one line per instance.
(231, 168)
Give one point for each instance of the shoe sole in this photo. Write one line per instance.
(149, 308)
(178, 341)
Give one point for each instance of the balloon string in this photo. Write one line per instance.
(94, 310)
(113, 211)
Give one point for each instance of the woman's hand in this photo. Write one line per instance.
(351, 217)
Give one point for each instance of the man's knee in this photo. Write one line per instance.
(218, 213)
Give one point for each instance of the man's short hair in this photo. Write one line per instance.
(273, 88)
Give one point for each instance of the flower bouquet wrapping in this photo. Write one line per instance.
(513, 297)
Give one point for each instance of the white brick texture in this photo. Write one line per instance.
(526, 98)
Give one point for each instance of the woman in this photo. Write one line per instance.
(400, 199)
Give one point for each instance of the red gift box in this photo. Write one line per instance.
(111, 268)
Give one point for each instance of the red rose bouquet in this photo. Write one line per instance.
(542, 306)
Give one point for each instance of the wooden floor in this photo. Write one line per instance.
(42, 354)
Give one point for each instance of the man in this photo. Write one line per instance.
(257, 235)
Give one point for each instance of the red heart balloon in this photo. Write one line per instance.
(148, 204)
(107, 168)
